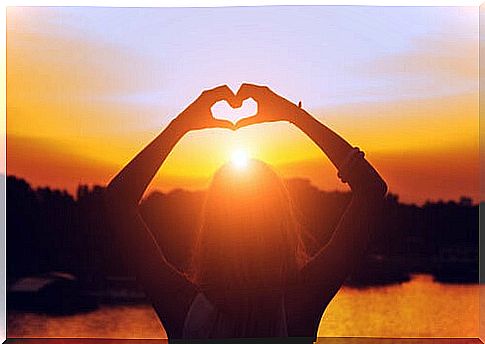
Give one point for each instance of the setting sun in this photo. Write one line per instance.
(239, 158)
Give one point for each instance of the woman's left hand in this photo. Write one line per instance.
(271, 106)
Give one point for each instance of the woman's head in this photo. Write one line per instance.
(249, 238)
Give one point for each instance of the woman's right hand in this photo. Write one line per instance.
(198, 115)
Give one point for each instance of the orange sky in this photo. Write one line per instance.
(79, 105)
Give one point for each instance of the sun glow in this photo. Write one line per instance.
(239, 158)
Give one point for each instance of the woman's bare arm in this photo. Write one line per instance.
(132, 181)
(170, 291)
(335, 260)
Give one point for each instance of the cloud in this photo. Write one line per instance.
(53, 67)
(68, 84)
(451, 58)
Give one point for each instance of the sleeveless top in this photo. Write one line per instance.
(204, 321)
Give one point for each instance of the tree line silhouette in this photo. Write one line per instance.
(51, 230)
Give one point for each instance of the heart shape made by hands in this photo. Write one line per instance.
(222, 110)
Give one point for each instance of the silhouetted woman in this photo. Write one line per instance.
(251, 276)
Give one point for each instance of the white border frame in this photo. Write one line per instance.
(145, 3)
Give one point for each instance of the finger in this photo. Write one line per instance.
(220, 93)
(248, 121)
(222, 123)
(250, 91)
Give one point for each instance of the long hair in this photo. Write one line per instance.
(249, 239)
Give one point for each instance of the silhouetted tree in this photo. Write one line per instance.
(49, 230)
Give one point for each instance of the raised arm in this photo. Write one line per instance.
(132, 181)
(168, 289)
(333, 262)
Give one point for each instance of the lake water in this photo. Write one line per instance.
(419, 308)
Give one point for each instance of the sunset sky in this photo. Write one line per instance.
(87, 88)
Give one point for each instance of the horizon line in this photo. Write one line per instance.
(155, 190)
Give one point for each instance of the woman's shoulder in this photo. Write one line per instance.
(305, 303)
(200, 317)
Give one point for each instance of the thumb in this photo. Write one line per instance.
(222, 123)
(247, 121)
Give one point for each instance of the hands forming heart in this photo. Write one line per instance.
(271, 107)
(222, 110)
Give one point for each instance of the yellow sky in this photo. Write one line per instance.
(435, 157)
(78, 108)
